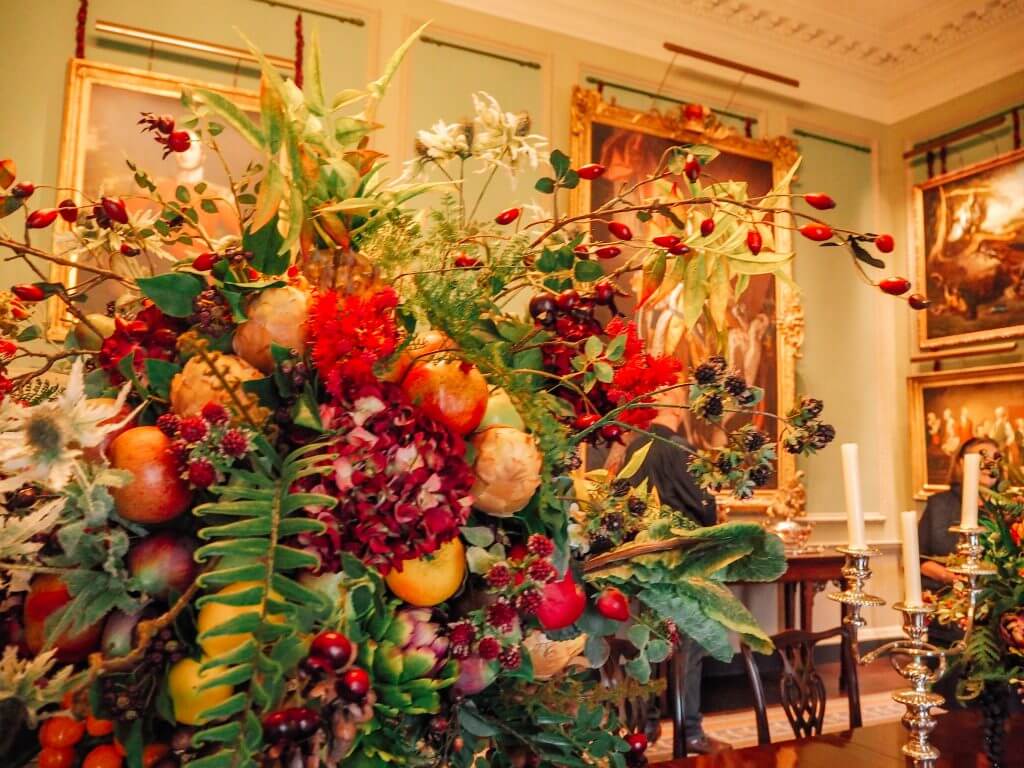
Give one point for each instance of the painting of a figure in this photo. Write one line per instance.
(971, 241)
(630, 156)
(101, 134)
(951, 407)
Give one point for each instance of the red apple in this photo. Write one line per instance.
(97, 452)
(419, 349)
(563, 603)
(157, 494)
(450, 391)
(47, 594)
(163, 564)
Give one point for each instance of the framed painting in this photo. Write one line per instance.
(950, 407)
(765, 325)
(102, 103)
(970, 242)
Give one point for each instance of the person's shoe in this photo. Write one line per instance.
(705, 745)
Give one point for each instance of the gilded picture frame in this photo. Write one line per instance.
(102, 103)
(970, 253)
(948, 407)
(590, 113)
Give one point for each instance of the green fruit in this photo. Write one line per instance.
(87, 337)
(500, 412)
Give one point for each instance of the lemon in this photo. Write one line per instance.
(213, 615)
(431, 579)
(189, 702)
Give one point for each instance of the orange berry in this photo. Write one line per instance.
(68, 700)
(56, 757)
(104, 756)
(153, 753)
(96, 727)
(61, 731)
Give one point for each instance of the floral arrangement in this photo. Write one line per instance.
(311, 493)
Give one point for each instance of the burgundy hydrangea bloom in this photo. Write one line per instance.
(400, 478)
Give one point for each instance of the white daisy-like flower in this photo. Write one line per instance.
(443, 142)
(503, 138)
(42, 443)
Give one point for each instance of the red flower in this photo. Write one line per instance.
(1017, 532)
(401, 481)
(350, 334)
(152, 334)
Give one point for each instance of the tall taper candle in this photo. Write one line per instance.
(851, 484)
(969, 497)
(911, 560)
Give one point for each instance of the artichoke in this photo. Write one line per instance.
(1011, 627)
(410, 663)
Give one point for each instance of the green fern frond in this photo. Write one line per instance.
(256, 512)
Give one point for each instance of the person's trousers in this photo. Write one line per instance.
(693, 663)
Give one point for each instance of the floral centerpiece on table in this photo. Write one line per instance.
(310, 494)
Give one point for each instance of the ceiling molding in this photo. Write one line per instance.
(880, 59)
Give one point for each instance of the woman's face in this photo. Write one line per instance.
(987, 479)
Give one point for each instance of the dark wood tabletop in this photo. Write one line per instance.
(958, 736)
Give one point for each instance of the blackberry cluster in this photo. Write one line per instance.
(211, 313)
(734, 384)
(760, 475)
(993, 701)
(129, 696)
(620, 487)
(296, 371)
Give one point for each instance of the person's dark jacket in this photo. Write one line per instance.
(934, 538)
(664, 468)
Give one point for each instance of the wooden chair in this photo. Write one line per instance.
(801, 689)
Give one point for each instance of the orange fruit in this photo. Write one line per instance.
(103, 756)
(183, 682)
(96, 727)
(56, 757)
(61, 731)
(431, 579)
(153, 753)
(213, 615)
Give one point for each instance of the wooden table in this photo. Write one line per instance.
(810, 572)
(958, 737)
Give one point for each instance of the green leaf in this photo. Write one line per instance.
(172, 292)
(695, 290)
(560, 162)
(545, 185)
(639, 669)
(208, 205)
(616, 348)
(264, 245)
(159, 374)
(658, 649)
(635, 462)
(182, 194)
(378, 87)
(478, 536)
(596, 650)
(593, 348)
(604, 371)
(638, 635)
(587, 271)
(474, 724)
(571, 180)
(232, 115)
(312, 82)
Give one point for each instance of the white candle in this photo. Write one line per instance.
(851, 484)
(911, 560)
(969, 497)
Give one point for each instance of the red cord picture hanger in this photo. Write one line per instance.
(299, 44)
(83, 17)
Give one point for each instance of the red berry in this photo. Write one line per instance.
(215, 413)
(754, 241)
(585, 420)
(511, 658)
(318, 666)
(489, 648)
(23, 189)
(540, 545)
(179, 141)
(355, 684)
(567, 300)
(612, 604)
(692, 168)
(591, 171)
(918, 301)
(885, 243)
(234, 443)
(637, 743)
(620, 230)
(665, 241)
(193, 429)
(68, 210)
(165, 124)
(895, 286)
(819, 200)
(604, 293)
(168, 424)
(707, 226)
(204, 261)
(507, 216)
(679, 249)
(334, 647)
(41, 219)
(608, 252)
(498, 576)
(693, 112)
(582, 251)
(28, 292)
(115, 210)
(465, 261)
(278, 726)
(611, 432)
(201, 473)
(252, 274)
(128, 250)
(306, 721)
(817, 232)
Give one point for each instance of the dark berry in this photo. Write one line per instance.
(278, 727)
(754, 439)
(724, 462)
(760, 475)
(334, 647)
(705, 374)
(812, 406)
(543, 308)
(568, 300)
(823, 435)
(613, 521)
(637, 506)
(600, 543)
(713, 406)
(734, 384)
(318, 666)
(620, 487)
(355, 684)
(604, 293)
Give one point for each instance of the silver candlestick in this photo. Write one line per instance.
(968, 563)
(856, 573)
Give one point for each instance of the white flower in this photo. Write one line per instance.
(578, 539)
(42, 443)
(502, 138)
(443, 142)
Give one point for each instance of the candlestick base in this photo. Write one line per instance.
(855, 574)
